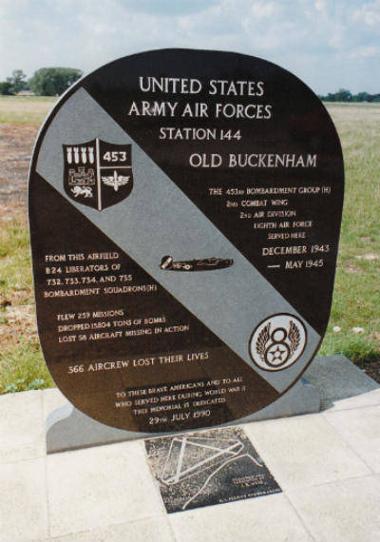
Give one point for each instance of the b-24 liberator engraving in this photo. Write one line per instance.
(206, 264)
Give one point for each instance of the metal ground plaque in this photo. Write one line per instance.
(185, 209)
(206, 468)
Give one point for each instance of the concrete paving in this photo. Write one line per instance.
(327, 464)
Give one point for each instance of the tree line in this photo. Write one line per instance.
(344, 95)
(54, 81)
(44, 82)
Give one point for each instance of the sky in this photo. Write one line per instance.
(329, 44)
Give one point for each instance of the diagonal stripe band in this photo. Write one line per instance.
(158, 219)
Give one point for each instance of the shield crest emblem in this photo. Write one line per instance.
(97, 173)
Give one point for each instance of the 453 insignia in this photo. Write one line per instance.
(97, 173)
(278, 342)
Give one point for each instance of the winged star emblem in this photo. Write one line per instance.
(275, 347)
(115, 180)
(97, 174)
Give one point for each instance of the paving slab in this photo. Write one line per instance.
(265, 519)
(22, 427)
(305, 451)
(148, 530)
(100, 486)
(361, 429)
(344, 511)
(52, 398)
(370, 398)
(23, 506)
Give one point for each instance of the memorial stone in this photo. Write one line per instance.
(185, 208)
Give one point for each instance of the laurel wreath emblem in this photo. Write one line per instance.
(262, 341)
(293, 336)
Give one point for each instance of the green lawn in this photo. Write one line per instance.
(21, 362)
(357, 292)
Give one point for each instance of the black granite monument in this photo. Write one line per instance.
(185, 208)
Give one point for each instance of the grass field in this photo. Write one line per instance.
(25, 109)
(357, 290)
